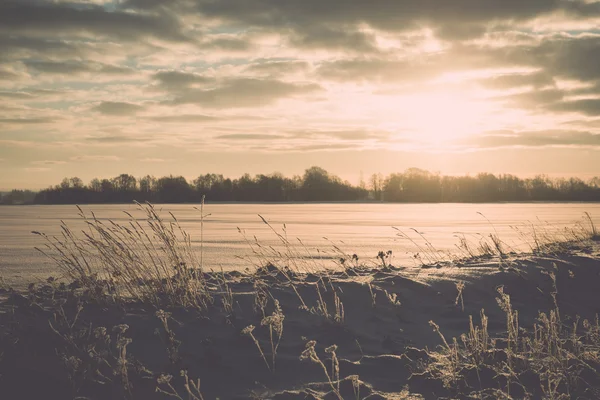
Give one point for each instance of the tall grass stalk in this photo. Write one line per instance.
(150, 260)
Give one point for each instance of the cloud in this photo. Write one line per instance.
(244, 92)
(153, 160)
(16, 95)
(95, 158)
(558, 138)
(509, 81)
(322, 37)
(36, 169)
(203, 118)
(451, 19)
(227, 43)
(27, 121)
(570, 57)
(14, 47)
(117, 108)
(6, 75)
(190, 88)
(353, 134)
(48, 19)
(114, 139)
(48, 162)
(20, 143)
(176, 80)
(278, 67)
(379, 69)
(590, 107)
(77, 68)
(536, 98)
(250, 136)
(325, 147)
(186, 118)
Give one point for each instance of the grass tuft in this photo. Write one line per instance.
(151, 261)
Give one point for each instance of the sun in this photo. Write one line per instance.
(435, 118)
(443, 117)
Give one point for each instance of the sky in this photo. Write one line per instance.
(96, 88)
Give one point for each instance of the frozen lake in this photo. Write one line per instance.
(364, 229)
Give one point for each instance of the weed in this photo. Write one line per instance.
(547, 360)
(275, 324)
(310, 354)
(168, 339)
(460, 287)
(154, 263)
(192, 388)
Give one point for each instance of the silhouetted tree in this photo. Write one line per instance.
(125, 182)
(18, 197)
(412, 185)
(95, 185)
(173, 189)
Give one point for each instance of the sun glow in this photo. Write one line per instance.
(443, 117)
(437, 118)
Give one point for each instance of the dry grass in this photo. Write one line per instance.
(544, 238)
(151, 261)
(548, 360)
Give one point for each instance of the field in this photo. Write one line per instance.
(135, 315)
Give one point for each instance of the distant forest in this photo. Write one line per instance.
(316, 185)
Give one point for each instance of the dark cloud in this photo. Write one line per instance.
(27, 121)
(102, 158)
(115, 139)
(585, 123)
(77, 68)
(153, 160)
(508, 81)
(391, 68)
(176, 80)
(227, 44)
(48, 162)
(250, 136)
(460, 31)
(15, 47)
(243, 92)
(197, 118)
(593, 89)
(6, 75)
(322, 37)
(185, 118)
(278, 67)
(554, 57)
(537, 139)
(590, 107)
(353, 134)
(325, 146)
(377, 69)
(45, 18)
(337, 24)
(535, 99)
(16, 95)
(455, 18)
(568, 56)
(118, 109)
(31, 94)
(295, 147)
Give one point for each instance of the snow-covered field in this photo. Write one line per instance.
(362, 229)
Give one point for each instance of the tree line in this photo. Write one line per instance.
(315, 185)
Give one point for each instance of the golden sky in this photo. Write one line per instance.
(95, 88)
